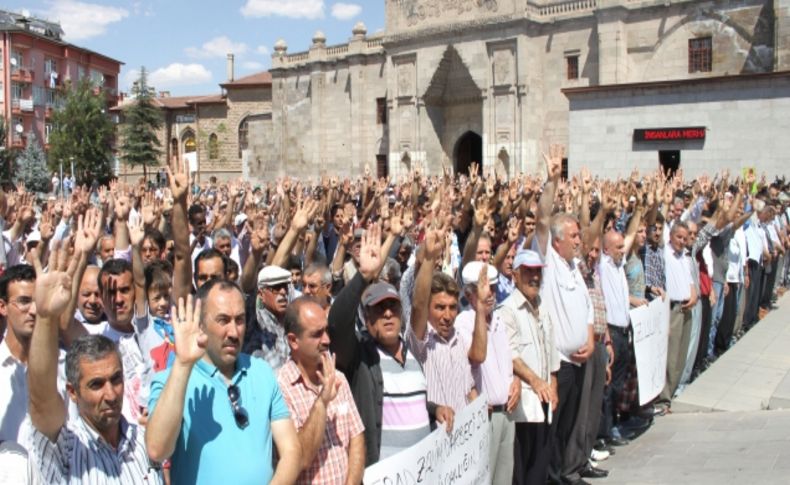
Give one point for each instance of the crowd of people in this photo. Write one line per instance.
(302, 330)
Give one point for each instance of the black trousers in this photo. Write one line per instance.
(753, 294)
(769, 278)
(727, 322)
(532, 453)
(570, 379)
(623, 351)
(702, 347)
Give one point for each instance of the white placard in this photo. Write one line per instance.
(651, 336)
(458, 458)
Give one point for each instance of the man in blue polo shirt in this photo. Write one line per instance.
(215, 411)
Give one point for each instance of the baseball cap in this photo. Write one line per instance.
(471, 273)
(378, 292)
(527, 258)
(240, 219)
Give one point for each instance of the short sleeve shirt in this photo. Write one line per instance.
(211, 448)
(330, 465)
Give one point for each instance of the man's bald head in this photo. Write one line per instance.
(614, 246)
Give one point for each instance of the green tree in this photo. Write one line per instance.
(83, 133)
(31, 167)
(142, 120)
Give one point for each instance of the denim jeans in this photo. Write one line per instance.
(715, 315)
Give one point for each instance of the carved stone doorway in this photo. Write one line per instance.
(468, 149)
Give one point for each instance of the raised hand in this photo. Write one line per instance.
(554, 162)
(179, 182)
(483, 290)
(190, 340)
(151, 209)
(370, 253)
(433, 245)
(53, 287)
(136, 231)
(122, 207)
(88, 231)
(330, 384)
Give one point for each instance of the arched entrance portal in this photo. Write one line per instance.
(468, 149)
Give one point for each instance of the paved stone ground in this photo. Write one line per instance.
(753, 375)
(727, 427)
(750, 447)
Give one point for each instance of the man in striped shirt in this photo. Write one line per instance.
(444, 354)
(387, 383)
(100, 446)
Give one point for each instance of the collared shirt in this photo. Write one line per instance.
(404, 411)
(504, 288)
(531, 338)
(80, 455)
(615, 291)
(445, 363)
(598, 302)
(134, 367)
(15, 466)
(330, 465)
(635, 275)
(211, 448)
(736, 257)
(754, 241)
(655, 274)
(564, 296)
(14, 421)
(495, 374)
(270, 343)
(679, 281)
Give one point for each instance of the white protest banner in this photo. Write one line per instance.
(458, 458)
(651, 335)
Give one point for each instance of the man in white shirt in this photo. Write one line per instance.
(682, 295)
(564, 296)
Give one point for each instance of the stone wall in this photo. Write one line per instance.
(745, 117)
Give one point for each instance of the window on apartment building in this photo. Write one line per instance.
(16, 91)
(243, 131)
(80, 73)
(17, 57)
(52, 98)
(381, 111)
(700, 55)
(572, 67)
(50, 65)
(47, 131)
(97, 77)
(17, 122)
(213, 147)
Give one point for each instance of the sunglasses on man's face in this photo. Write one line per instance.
(239, 413)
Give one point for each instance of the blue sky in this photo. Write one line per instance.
(183, 44)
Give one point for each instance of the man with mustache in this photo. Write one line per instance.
(535, 362)
(215, 411)
(444, 354)
(494, 375)
(320, 400)
(266, 335)
(100, 446)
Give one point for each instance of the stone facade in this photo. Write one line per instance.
(454, 81)
(745, 119)
(492, 72)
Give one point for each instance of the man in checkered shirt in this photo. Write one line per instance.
(320, 401)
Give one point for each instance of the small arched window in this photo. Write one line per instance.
(213, 147)
(243, 130)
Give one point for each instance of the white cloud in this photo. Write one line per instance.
(217, 47)
(178, 74)
(308, 9)
(345, 11)
(252, 66)
(262, 50)
(84, 20)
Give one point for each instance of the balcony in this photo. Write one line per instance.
(22, 75)
(22, 106)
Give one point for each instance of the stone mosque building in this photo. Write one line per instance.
(619, 83)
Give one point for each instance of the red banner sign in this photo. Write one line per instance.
(670, 134)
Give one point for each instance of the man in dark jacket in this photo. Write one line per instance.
(386, 380)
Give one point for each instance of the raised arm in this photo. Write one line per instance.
(182, 263)
(167, 402)
(259, 240)
(301, 219)
(52, 296)
(311, 435)
(479, 344)
(430, 251)
(546, 202)
(136, 236)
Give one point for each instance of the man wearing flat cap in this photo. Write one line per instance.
(265, 332)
